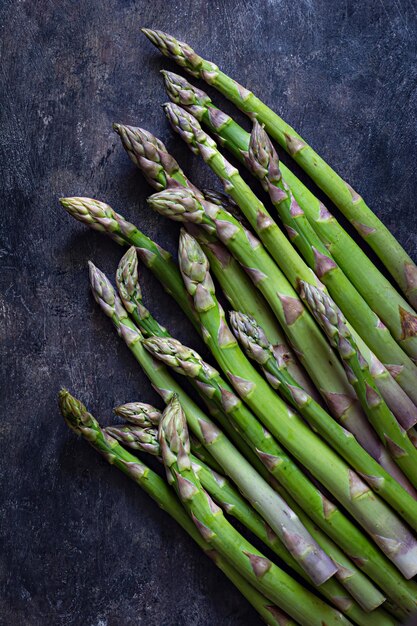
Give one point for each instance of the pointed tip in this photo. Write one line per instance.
(117, 127)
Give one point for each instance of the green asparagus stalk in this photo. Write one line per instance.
(263, 445)
(150, 156)
(226, 496)
(257, 347)
(188, 363)
(264, 499)
(84, 424)
(264, 163)
(368, 280)
(301, 330)
(130, 292)
(331, 319)
(350, 203)
(294, 268)
(101, 217)
(290, 430)
(259, 571)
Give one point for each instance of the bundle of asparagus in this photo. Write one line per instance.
(313, 447)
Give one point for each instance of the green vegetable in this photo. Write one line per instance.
(84, 424)
(264, 575)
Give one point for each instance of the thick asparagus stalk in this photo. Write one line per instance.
(257, 347)
(188, 363)
(368, 280)
(352, 205)
(332, 321)
(85, 425)
(306, 338)
(264, 575)
(264, 499)
(373, 514)
(150, 155)
(226, 496)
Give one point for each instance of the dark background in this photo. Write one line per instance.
(80, 545)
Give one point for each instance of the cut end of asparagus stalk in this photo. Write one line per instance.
(174, 439)
(139, 414)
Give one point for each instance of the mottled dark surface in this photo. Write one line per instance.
(81, 546)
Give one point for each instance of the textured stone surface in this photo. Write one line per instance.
(81, 546)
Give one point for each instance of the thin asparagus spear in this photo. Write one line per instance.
(333, 323)
(263, 498)
(303, 333)
(226, 496)
(351, 204)
(368, 280)
(84, 424)
(101, 217)
(257, 347)
(289, 595)
(372, 513)
(188, 363)
(150, 155)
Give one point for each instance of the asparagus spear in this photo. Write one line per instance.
(188, 363)
(139, 414)
(150, 156)
(351, 204)
(257, 347)
(308, 341)
(142, 415)
(264, 163)
(264, 499)
(368, 280)
(373, 514)
(84, 424)
(332, 321)
(101, 217)
(281, 467)
(264, 575)
(274, 240)
(226, 496)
